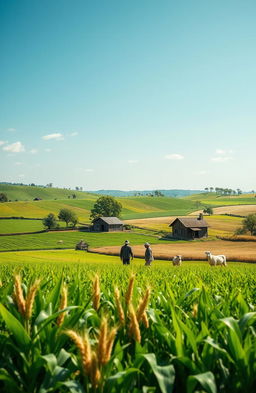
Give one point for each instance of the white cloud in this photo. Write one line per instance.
(57, 136)
(33, 151)
(174, 156)
(2, 143)
(16, 147)
(74, 133)
(48, 150)
(132, 161)
(11, 129)
(222, 155)
(221, 159)
(21, 175)
(223, 152)
(88, 170)
(18, 163)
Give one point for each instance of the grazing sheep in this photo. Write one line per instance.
(60, 242)
(176, 261)
(215, 260)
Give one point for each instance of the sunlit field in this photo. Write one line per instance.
(129, 328)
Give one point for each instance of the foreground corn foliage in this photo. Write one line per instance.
(114, 330)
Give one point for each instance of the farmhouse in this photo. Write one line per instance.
(189, 228)
(107, 224)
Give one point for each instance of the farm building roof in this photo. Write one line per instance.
(110, 220)
(193, 223)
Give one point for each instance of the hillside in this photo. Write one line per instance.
(133, 207)
(28, 193)
(211, 198)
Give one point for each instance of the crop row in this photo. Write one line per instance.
(73, 328)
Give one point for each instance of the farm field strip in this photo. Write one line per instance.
(70, 239)
(242, 251)
(201, 315)
(16, 226)
(218, 224)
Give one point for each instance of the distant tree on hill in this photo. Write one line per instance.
(206, 189)
(208, 210)
(74, 196)
(50, 221)
(106, 206)
(158, 193)
(67, 216)
(3, 197)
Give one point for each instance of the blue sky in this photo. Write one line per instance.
(128, 95)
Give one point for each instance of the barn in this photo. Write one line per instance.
(107, 224)
(189, 228)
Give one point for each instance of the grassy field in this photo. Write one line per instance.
(211, 198)
(192, 331)
(61, 240)
(18, 226)
(218, 224)
(28, 193)
(132, 208)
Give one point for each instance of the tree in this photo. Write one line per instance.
(249, 224)
(50, 221)
(208, 210)
(67, 216)
(106, 206)
(3, 197)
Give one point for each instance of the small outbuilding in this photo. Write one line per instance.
(107, 224)
(82, 246)
(189, 228)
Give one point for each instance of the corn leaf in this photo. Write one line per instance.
(165, 375)
(18, 331)
(205, 380)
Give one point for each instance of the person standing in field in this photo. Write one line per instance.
(148, 254)
(126, 253)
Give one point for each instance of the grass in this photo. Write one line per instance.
(199, 336)
(212, 199)
(132, 208)
(17, 226)
(219, 224)
(28, 193)
(51, 240)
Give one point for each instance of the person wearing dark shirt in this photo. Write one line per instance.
(126, 253)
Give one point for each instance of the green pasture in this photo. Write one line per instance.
(61, 240)
(139, 207)
(28, 193)
(17, 226)
(237, 275)
(199, 336)
(211, 198)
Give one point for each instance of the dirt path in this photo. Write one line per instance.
(235, 251)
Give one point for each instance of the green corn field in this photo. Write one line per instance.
(101, 327)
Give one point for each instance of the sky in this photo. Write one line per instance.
(138, 94)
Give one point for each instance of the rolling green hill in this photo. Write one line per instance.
(211, 198)
(133, 207)
(28, 193)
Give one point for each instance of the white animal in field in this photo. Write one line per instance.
(60, 242)
(176, 261)
(215, 260)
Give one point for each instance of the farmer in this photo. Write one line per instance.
(126, 253)
(148, 254)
